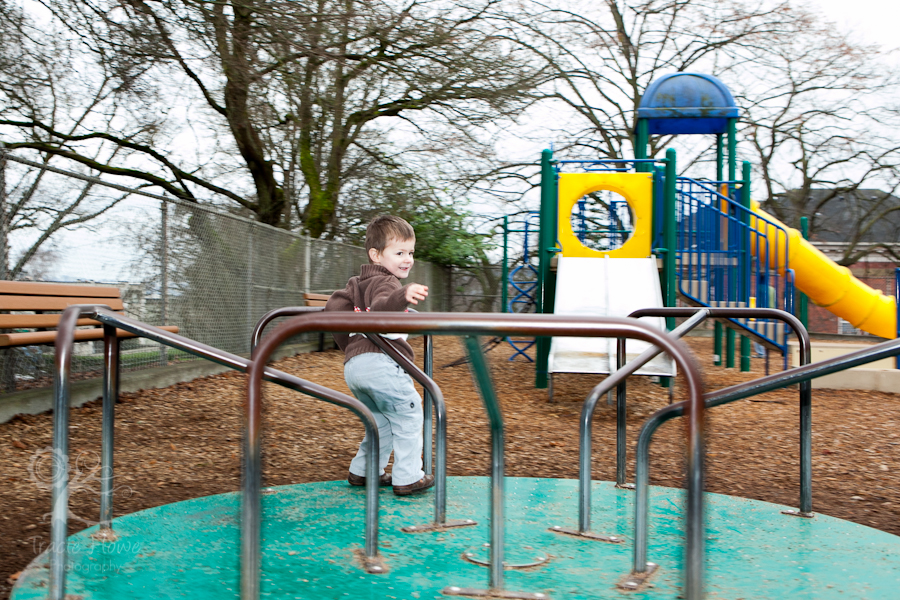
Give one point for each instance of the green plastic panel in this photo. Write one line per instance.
(312, 532)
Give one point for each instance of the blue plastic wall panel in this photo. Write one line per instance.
(686, 125)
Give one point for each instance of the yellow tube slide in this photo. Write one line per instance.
(827, 283)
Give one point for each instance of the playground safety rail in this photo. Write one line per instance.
(592, 166)
(586, 427)
(428, 358)
(470, 325)
(60, 465)
(525, 289)
(618, 379)
(805, 505)
(729, 269)
(739, 392)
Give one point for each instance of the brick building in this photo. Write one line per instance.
(858, 228)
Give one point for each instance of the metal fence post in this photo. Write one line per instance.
(7, 355)
(4, 217)
(164, 277)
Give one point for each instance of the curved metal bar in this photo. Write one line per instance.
(621, 423)
(642, 481)
(440, 413)
(431, 401)
(59, 494)
(587, 414)
(805, 386)
(64, 344)
(495, 417)
(107, 445)
(287, 311)
(739, 392)
(428, 360)
(469, 324)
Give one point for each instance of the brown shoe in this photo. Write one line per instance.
(360, 480)
(414, 488)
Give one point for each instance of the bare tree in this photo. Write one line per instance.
(35, 80)
(607, 54)
(295, 84)
(822, 127)
(37, 208)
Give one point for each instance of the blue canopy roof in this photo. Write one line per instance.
(687, 103)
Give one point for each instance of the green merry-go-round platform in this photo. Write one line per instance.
(312, 537)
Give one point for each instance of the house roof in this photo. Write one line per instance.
(843, 213)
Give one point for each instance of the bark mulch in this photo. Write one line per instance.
(183, 441)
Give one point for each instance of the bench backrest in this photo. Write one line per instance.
(316, 299)
(46, 297)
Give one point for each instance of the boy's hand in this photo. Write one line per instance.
(416, 292)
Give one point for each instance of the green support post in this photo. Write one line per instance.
(729, 348)
(720, 158)
(670, 192)
(669, 197)
(732, 151)
(546, 287)
(745, 259)
(641, 141)
(803, 299)
(504, 285)
(717, 326)
(732, 175)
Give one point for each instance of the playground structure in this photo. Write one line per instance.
(325, 540)
(715, 246)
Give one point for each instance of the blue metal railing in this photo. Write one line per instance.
(525, 289)
(727, 253)
(614, 165)
(614, 231)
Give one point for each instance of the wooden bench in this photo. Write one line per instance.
(317, 300)
(38, 306)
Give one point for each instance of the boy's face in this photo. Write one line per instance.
(397, 257)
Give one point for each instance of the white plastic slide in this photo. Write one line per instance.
(613, 287)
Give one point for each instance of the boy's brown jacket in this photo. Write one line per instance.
(375, 289)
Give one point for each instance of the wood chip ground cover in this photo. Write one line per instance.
(183, 442)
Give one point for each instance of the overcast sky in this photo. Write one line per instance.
(870, 21)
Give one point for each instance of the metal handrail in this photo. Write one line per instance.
(287, 311)
(642, 498)
(701, 206)
(111, 321)
(431, 401)
(745, 390)
(440, 412)
(472, 324)
(805, 387)
(587, 414)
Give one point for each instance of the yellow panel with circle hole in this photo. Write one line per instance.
(636, 188)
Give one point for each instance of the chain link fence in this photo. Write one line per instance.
(211, 273)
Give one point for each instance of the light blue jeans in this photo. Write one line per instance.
(379, 383)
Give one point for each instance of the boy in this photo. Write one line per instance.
(373, 377)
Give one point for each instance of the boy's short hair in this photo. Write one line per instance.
(385, 228)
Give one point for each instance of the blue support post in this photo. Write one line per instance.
(504, 293)
(745, 259)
